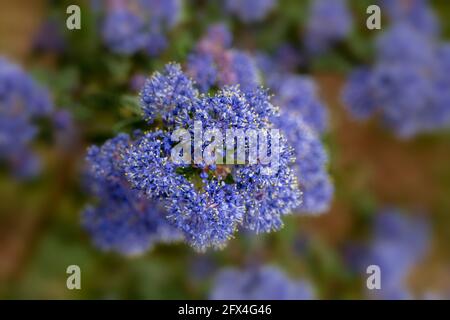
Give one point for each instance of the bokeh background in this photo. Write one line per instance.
(40, 232)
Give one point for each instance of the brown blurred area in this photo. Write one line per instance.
(18, 21)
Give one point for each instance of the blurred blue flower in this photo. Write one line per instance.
(121, 219)
(214, 64)
(399, 242)
(22, 102)
(329, 21)
(407, 86)
(417, 13)
(260, 283)
(130, 26)
(249, 11)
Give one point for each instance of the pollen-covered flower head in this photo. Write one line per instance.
(208, 201)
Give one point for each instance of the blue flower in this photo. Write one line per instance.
(22, 102)
(128, 27)
(122, 220)
(330, 21)
(399, 242)
(214, 64)
(417, 13)
(407, 86)
(250, 10)
(123, 31)
(208, 203)
(311, 162)
(260, 283)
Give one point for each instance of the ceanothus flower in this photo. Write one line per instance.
(22, 101)
(121, 220)
(399, 242)
(131, 26)
(214, 64)
(329, 22)
(123, 31)
(417, 13)
(209, 202)
(302, 119)
(310, 164)
(299, 94)
(249, 11)
(293, 92)
(260, 283)
(407, 86)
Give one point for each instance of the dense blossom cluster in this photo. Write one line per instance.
(399, 242)
(215, 64)
(260, 283)
(329, 22)
(22, 101)
(121, 219)
(131, 26)
(250, 10)
(409, 84)
(207, 203)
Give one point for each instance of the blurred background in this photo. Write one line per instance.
(93, 86)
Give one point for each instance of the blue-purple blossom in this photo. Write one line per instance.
(407, 86)
(214, 64)
(416, 13)
(123, 31)
(249, 11)
(208, 203)
(311, 162)
(22, 101)
(399, 242)
(121, 220)
(299, 94)
(259, 283)
(329, 22)
(131, 26)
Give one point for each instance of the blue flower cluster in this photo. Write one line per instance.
(121, 219)
(399, 243)
(215, 64)
(409, 85)
(22, 101)
(206, 203)
(261, 283)
(311, 162)
(130, 26)
(302, 119)
(329, 22)
(249, 11)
